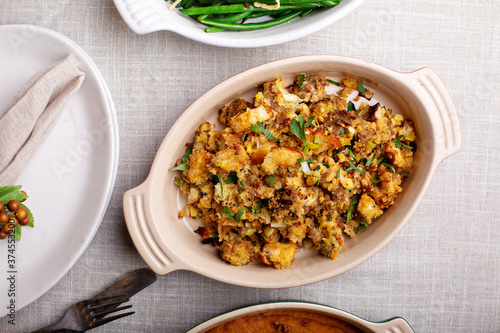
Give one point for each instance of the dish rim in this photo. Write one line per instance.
(154, 16)
(347, 316)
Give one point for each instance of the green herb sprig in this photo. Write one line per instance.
(183, 165)
(271, 180)
(298, 128)
(302, 78)
(397, 141)
(333, 82)
(260, 128)
(236, 217)
(352, 166)
(361, 88)
(353, 205)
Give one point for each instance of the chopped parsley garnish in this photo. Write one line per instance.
(233, 178)
(399, 144)
(370, 160)
(338, 173)
(352, 155)
(221, 187)
(214, 234)
(333, 82)
(237, 217)
(298, 128)
(361, 88)
(260, 128)
(375, 180)
(178, 182)
(302, 78)
(259, 205)
(342, 131)
(390, 166)
(226, 211)
(346, 150)
(256, 129)
(354, 202)
(270, 180)
(353, 167)
(351, 106)
(309, 121)
(309, 161)
(182, 166)
(362, 226)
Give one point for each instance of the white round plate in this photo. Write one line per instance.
(71, 176)
(145, 16)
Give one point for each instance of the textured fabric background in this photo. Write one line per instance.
(442, 271)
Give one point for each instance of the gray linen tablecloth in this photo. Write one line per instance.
(441, 272)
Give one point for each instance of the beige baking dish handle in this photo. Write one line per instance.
(394, 325)
(137, 210)
(441, 110)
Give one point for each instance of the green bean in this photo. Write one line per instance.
(214, 29)
(229, 9)
(187, 3)
(220, 15)
(252, 26)
(307, 12)
(231, 18)
(272, 2)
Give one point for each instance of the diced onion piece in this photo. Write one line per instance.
(266, 6)
(268, 231)
(172, 6)
(304, 166)
(278, 224)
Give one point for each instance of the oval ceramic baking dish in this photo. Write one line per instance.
(393, 325)
(167, 243)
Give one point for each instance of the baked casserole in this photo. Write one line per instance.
(299, 166)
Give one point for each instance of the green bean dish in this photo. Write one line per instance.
(243, 15)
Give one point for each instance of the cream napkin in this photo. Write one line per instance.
(33, 113)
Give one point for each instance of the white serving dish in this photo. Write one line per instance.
(167, 243)
(77, 163)
(145, 16)
(393, 325)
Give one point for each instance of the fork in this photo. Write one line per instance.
(89, 314)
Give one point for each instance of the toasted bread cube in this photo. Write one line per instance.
(279, 255)
(280, 156)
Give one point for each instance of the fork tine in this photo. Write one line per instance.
(100, 306)
(100, 322)
(104, 313)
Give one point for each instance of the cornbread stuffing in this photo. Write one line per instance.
(298, 167)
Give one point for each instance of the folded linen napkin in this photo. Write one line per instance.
(33, 113)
